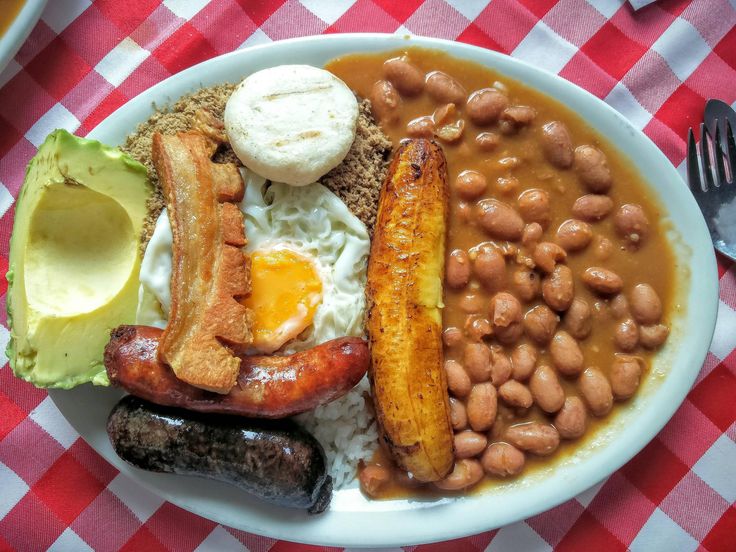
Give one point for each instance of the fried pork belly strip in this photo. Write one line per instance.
(210, 271)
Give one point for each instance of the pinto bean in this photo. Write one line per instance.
(534, 206)
(532, 234)
(592, 207)
(547, 254)
(625, 375)
(373, 479)
(477, 361)
(457, 271)
(471, 303)
(502, 459)
(556, 144)
(526, 283)
(469, 443)
(477, 327)
(470, 185)
(592, 168)
(546, 389)
(523, 361)
(631, 223)
(452, 337)
(458, 381)
(421, 127)
(466, 473)
(619, 306)
(385, 102)
(485, 105)
(558, 289)
(489, 268)
(500, 220)
(516, 394)
(566, 354)
(507, 184)
(574, 235)
(407, 79)
(441, 87)
(626, 335)
(510, 334)
(603, 248)
(540, 324)
(518, 115)
(596, 391)
(487, 141)
(458, 415)
(602, 280)
(645, 304)
(537, 438)
(577, 320)
(482, 406)
(572, 419)
(652, 337)
(505, 310)
(500, 366)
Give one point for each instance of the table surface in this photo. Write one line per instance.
(657, 66)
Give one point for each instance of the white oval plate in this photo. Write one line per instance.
(19, 30)
(352, 520)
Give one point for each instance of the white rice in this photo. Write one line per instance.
(347, 430)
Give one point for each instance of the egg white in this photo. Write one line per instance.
(309, 220)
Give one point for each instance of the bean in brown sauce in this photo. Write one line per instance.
(441, 87)
(558, 289)
(574, 235)
(385, 102)
(578, 320)
(407, 79)
(534, 206)
(502, 459)
(540, 324)
(572, 419)
(592, 207)
(592, 166)
(557, 144)
(499, 219)
(509, 153)
(470, 185)
(523, 361)
(566, 354)
(485, 105)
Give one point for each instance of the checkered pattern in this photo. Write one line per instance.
(657, 66)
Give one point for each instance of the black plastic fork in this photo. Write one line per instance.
(713, 179)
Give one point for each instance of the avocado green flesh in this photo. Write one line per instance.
(74, 260)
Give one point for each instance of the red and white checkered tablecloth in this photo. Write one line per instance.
(657, 66)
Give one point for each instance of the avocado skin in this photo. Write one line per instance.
(65, 161)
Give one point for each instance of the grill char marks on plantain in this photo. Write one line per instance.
(210, 271)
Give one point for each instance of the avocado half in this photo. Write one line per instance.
(74, 259)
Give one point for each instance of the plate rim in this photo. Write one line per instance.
(319, 532)
(19, 29)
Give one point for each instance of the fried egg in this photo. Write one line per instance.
(308, 267)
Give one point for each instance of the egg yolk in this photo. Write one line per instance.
(286, 291)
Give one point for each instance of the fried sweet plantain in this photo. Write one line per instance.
(210, 271)
(404, 293)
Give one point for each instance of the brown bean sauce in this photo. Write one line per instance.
(520, 162)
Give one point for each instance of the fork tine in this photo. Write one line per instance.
(719, 153)
(731, 151)
(705, 157)
(693, 170)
